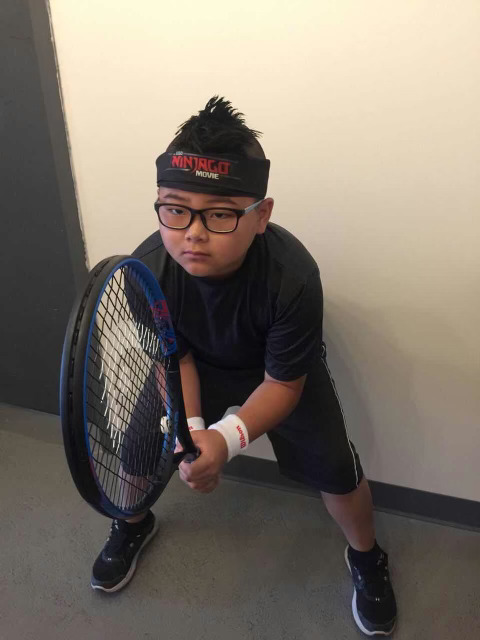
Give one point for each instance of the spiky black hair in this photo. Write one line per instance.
(218, 128)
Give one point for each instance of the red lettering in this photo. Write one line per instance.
(243, 442)
(201, 164)
(160, 309)
(223, 168)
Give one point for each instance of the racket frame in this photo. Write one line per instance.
(73, 376)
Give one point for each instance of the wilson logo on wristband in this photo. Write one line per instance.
(243, 441)
(235, 433)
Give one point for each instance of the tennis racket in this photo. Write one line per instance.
(121, 402)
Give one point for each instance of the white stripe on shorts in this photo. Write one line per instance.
(344, 420)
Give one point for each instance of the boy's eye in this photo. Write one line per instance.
(220, 214)
(176, 211)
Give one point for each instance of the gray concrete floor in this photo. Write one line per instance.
(241, 563)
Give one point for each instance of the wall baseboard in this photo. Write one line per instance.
(412, 503)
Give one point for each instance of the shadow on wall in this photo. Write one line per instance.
(402, 394)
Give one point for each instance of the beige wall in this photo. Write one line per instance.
(370, 111)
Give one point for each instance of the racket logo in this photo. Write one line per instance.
(166, 333)
(159, 309)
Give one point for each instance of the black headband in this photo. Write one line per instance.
(222, 174)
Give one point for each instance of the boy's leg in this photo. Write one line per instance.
(353, 512)
(116, 562)
(312, 446)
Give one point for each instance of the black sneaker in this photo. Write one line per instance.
(117, 562)
(373, 605)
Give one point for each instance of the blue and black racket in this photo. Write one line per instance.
(121, 402)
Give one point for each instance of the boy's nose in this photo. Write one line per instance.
(196, 230)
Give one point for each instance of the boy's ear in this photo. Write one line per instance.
(264, 212)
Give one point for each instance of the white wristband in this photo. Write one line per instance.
(195, 424)
(235, 432)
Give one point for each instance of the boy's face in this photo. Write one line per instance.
(203, 253)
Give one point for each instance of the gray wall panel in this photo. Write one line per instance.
(42, 256)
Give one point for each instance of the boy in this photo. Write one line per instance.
(247, 305)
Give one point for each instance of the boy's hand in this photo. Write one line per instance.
(204, 473)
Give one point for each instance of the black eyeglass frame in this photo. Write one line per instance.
(193, 212)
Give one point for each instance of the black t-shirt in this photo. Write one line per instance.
(267, 314)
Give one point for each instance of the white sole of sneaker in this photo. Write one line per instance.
(355, 610)
(133, 566)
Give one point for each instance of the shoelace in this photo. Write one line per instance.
(374, 582)
(116, 538)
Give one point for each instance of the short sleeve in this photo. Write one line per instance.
(182, 345)
(295, 335)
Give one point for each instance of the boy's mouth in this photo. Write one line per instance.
(195, 254)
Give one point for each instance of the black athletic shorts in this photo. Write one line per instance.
(311, 446)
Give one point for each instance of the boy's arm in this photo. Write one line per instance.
(269, 404)
(190, 386)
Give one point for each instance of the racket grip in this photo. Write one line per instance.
(184, 457)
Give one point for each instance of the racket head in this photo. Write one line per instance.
(121, 403)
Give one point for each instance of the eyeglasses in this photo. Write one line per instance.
(217, 220)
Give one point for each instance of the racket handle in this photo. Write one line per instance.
(181, 456)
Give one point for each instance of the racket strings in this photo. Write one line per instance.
(146, 335)
(109, 320)
(139, 372)
(141, 366)
(117, 443)
(129, 407)
(106, 373)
